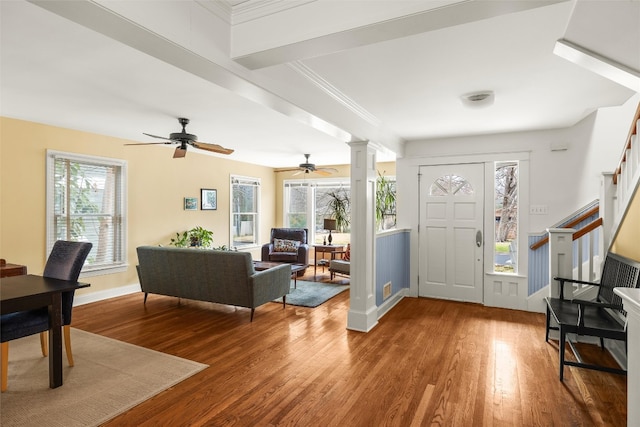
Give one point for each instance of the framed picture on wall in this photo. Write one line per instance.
(208, 199)
(190, 203)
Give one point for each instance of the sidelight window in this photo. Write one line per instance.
(506, 217)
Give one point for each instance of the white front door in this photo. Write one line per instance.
(451, 232)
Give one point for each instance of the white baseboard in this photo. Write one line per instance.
(106, 294)
(535, 301)
(391, 302)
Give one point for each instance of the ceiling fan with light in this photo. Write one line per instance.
(183, 138)
(307, 167)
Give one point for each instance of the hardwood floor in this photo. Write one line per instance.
(428, 362)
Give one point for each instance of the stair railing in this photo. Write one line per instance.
(574, 254)
(627, 173)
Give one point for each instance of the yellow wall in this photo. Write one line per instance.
(627, 243)
(157, 184)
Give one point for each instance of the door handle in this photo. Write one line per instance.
(479, 238)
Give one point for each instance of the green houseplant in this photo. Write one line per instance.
(196, 237)
(385, 202)
(339, 208)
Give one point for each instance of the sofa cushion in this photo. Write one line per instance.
(340, 266)
(284, 245)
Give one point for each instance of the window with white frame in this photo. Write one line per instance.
(86, 201)
(297, 201)
(308, 202)
(245, 205)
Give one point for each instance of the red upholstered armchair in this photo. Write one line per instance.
(287, 245)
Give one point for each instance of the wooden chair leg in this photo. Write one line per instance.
(5, 364)
(67, 343)
(43, 343)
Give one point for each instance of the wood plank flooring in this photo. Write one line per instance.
(428, 362)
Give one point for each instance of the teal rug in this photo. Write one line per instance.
(312, 294)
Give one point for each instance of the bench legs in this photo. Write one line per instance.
(546, 335)
(561, 347)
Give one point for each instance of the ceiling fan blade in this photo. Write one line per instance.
(159, 137)
(215, 148)
(297, 173)
(321, 172)
(149, 143)
(330, 170)
(289, 170)
(179, 153)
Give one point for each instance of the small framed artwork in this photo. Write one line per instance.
(190, 203)
(208, 199)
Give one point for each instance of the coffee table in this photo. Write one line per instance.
(295, 268)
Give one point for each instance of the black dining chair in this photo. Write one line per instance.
(65, 262)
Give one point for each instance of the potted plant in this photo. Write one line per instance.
(339, 208)
(385, 202)
(196, 237)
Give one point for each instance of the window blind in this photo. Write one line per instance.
(86, 203)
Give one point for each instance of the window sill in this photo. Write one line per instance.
(101, 271)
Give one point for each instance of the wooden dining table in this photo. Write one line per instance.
(27, 292)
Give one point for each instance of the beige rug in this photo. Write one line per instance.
(109, 377)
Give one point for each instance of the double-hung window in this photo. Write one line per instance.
(245, 205)
(86, 201)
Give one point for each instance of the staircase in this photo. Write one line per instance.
(578, 244)
(617, 193)
(624, 181)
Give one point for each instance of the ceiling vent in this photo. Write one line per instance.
(478, 99)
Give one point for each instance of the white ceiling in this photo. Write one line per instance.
(125, 71)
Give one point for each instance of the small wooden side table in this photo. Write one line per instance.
(8, 270)
(322, 249)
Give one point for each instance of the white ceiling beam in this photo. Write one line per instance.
(307, 44)
(598, 64)
(604, 40)
(105, 21)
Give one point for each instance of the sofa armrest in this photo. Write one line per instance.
(267, 248)
(303, 254)
(270, 284)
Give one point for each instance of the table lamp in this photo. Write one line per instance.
(329, 224)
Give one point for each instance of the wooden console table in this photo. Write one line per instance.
(322, 249)
(8, 270)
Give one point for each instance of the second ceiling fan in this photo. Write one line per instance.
(184, 139)
(307, 167)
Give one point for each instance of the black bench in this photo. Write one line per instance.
(602, 318)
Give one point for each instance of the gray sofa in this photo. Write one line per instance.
(223, 277)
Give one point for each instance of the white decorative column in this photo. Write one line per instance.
(560, 259)
(363, 313)
(631, 303)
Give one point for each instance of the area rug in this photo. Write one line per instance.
(109, 378)
(312, 294)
